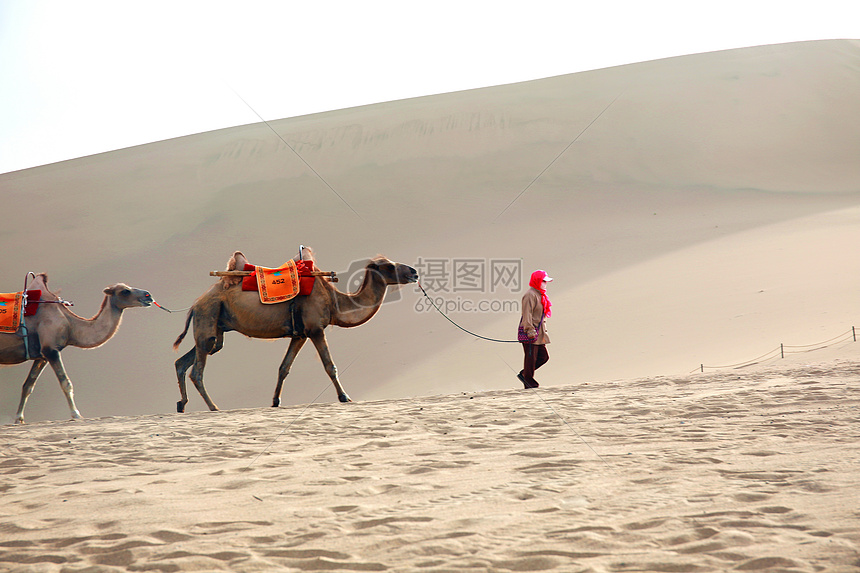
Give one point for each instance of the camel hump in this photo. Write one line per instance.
(40, 283)
(236, 262)
(305, 254)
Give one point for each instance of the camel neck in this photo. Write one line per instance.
(355, 309)
(95, 331)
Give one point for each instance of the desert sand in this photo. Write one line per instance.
(747, 471)
(695, 212)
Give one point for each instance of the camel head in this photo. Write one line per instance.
(393, 273)
(123, 296)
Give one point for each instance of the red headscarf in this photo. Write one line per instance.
(535, 282)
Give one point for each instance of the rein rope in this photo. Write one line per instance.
(457, 325)
(168, 310)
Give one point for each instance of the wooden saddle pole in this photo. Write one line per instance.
(331, 274)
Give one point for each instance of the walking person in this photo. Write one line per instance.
(532, 330)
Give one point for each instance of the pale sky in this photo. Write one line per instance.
(84, 77)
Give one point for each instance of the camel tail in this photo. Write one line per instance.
(181, 337)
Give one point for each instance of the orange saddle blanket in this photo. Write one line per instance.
(280, 284)
(10, 308)
(10, 311)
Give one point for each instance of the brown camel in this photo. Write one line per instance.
(226, 307)
(57, 327)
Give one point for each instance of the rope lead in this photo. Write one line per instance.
(168, 310)
(457, 325)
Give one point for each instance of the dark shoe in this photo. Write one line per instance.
(526, 383)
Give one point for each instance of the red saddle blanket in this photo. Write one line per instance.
(303, 268)
(33, 298)
(10, 308)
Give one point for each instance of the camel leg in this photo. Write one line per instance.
(56, 363)
(182, 365)
(30, 383)
(321, 344)
(197, 374)
(293, 351)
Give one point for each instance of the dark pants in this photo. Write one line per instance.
(536, 356)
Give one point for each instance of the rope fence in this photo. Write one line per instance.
(783, 349)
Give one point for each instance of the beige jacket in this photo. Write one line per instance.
(532, 313)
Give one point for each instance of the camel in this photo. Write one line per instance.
(57, 327)
(225, 307)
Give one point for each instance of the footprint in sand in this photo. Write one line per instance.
(775, 509)
(751, 497)
(762, 563)
(228, 526)
(170, 536)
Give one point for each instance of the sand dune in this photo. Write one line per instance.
(747, 471)
(697, 210)
(693, 210)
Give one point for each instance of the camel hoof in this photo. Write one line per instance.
(180, 407)
(344, 398)
(276, 402)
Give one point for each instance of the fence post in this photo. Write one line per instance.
(781, 350)
(854, 332)
(703, 367)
